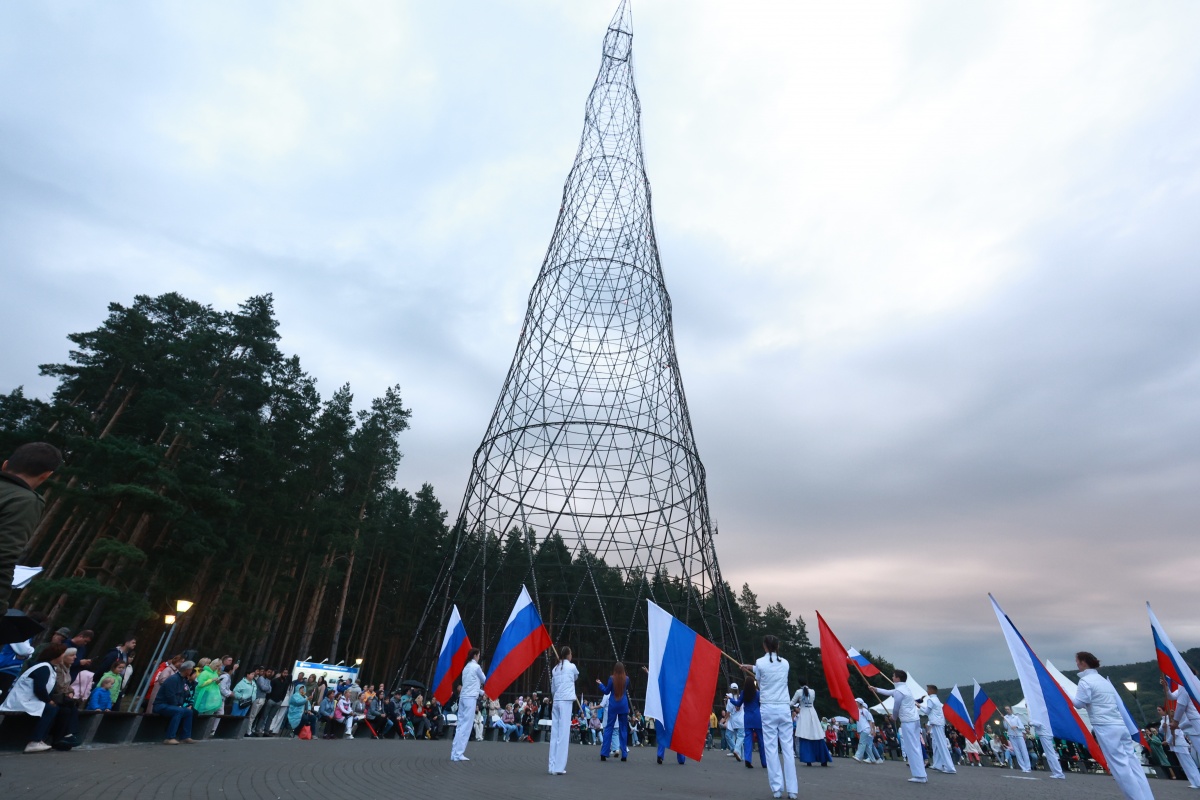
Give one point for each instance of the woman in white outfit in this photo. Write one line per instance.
(468, 696)
(772, 674)
(1099, 698)
(562, 688)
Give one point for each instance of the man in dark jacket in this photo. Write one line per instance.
(20, 506)
(174, 701)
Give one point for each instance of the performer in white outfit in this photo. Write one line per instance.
(772, 674)
(904, 709)
(1046, 737)
(931, 707)
(1099, 698)
(1187, 717)
(468, 697)
(737, 721)
(866, 733)
(1014, 726)
(562, 688)
(1182, 749)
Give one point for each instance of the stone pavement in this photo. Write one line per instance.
(362, 770)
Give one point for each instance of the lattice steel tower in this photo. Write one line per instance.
(591, 438)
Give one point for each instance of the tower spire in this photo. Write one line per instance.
(588, 485)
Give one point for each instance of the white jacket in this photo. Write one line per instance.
(772, 674)
(472, 679)
(931, 707)
(562, 682)
(904, 706)
(1099, 698)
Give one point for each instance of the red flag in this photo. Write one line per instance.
(837, 675)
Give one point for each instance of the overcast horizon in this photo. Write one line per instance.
(932, 264)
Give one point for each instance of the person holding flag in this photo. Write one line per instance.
(931, 707)
(562, 689)
(1045, 738)
(1014, 729)
(468, 696)
(904, 709)
(1099, 698)
(771, 672)
(617, 692)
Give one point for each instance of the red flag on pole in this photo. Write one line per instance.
(837, 674)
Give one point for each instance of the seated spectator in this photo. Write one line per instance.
(343, 712)
(437, 723)
(420, 721)
(81, 687)
(325, 713)
(117, 673)
(101, 699)
(298, 709)
(165, 670)
(44, 692)
(508, 723)
(244, 694)
(173, 702)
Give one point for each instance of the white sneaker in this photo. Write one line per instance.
(37, 747)
(463, 758)
(777, 795)
(918, 780)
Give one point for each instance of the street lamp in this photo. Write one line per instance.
(1131, 686)
(358, 662)
(160, 650)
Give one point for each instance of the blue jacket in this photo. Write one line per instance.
(175, 691)
(101, 699)
(614, 705)
(753, 715)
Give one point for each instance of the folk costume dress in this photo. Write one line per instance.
(808, 729)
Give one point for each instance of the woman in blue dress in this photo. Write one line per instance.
(748, 702)
(617, 690)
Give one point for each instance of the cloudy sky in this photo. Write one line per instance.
(933, 264)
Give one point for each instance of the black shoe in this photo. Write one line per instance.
(622, 758)
(749, 765)
(604, 758)
(660, 759)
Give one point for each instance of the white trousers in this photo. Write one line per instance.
(1189, 767)
(777, 745)
(910, 742)
(941, 750)
(462, 733)
(1051, 752)
(560, 735)
(1022, 752)
(1114, 743)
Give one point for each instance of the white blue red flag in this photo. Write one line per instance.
(523, 640)
(452, 658)
(864, 666)
(683, 681)
(1170, 662)
(1048, 704)
(957, 714)
(984, 708)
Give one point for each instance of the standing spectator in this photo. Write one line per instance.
(81, 641)
(277, 698)
(244, 694)
(21, 507)
(122, 652)
(174, 701)
(258, 720)
(60, 636)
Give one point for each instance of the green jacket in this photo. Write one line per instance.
(20, 512)
(207, 699)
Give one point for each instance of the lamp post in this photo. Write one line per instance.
(1131, 686)
(160, 650)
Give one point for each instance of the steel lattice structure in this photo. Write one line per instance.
(591, 438)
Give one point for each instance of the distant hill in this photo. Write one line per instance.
(1144, 673)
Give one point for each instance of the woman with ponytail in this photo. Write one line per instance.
(771, 671)
(617, 689)
(562, 689)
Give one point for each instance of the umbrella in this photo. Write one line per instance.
(842, 720)
(411, 684)
(16, 627)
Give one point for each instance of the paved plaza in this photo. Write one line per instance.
(328, 770)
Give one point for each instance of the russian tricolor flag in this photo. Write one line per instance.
(1048, 702)
(523, 640)
(452, 658)
(957, 714)
(1170, 662)
(864, 666)
(984, 708)
(683, 681)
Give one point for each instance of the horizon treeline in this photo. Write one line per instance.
(203, 464)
